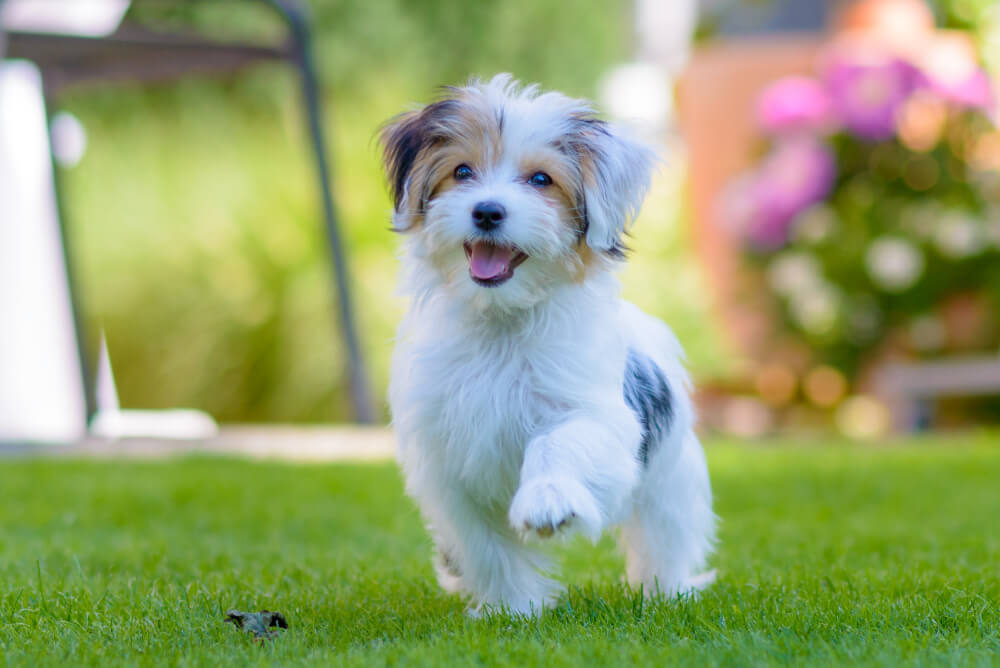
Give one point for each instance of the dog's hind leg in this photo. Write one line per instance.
(670, 535)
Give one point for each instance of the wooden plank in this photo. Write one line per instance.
(134, 54)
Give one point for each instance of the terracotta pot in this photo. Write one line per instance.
(716, 100)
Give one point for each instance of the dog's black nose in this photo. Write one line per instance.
(487, 215)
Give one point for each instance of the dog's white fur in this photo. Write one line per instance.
(508, 401)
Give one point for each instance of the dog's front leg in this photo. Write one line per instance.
(480, 556)
(578, 475)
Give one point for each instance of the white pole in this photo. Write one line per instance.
(664, 30)
(41, 388)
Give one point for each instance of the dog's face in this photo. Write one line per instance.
(509, 193)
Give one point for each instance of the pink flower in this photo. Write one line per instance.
(973, 91)
(798, 173)
(795, 104)
(868, 95)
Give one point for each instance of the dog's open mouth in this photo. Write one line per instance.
(492, 264)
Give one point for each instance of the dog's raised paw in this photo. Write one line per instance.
(546, 507)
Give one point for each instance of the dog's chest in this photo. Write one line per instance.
(481, 410)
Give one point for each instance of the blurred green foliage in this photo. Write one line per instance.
(424, 43)
(964, 14)
(195, 213)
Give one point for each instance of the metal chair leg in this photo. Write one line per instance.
(293, 13)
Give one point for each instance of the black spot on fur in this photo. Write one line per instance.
(648, 395)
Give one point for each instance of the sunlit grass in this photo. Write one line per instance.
(829, 554)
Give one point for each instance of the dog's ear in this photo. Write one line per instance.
(616, 172)
(404, 138)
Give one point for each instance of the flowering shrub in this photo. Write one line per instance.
(874, 215)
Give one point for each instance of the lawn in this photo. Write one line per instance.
(830, 554)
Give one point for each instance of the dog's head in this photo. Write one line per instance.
(509, 192)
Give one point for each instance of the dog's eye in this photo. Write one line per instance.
(540, 179)
(463, 172)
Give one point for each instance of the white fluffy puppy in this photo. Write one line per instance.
(528, 398)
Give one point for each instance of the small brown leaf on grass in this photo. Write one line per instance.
(260, 624)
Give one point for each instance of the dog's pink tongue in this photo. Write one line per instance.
(487, 261)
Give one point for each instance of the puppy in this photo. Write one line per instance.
(529, 399)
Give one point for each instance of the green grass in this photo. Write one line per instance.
(828, 555)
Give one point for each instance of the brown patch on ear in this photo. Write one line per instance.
(422, 148)
(405, 140)
(418, 189)
(615, 173)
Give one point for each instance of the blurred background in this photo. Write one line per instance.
(824, 237)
